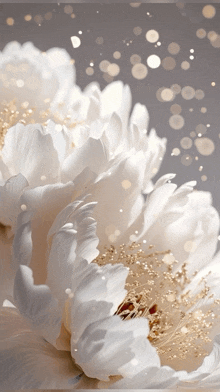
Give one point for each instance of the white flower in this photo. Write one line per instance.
(33, 83)
(84, 323)
(35, 154)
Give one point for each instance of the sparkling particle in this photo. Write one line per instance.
(153, 61)
(139, 71)
(175, 108)
(104, 65)
(176, 121)
(173, 48)
(20, 83)
(135, 59)
(186, 160)
(199, 94)
(213, 84)
(168, 63)
(28, 18)
(117, 55)
(152, 36)
(89, 71)
(137, 30)
(188, 92)
(201, 33)
(205, 146)
(76, 41)
(113, 69)
(186, 143)
(209, 11)
(23, 207)
(10, 21)
(175, 152)
(203, 110)
(200, 168)
(126, 184)
(191, 57)
(167, 94)
(185, 65)
(191, 50)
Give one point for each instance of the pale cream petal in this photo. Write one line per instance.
(36, 304)
(28, 362)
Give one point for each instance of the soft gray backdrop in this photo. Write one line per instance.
(52, 25)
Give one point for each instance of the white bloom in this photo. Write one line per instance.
(33, 83)
(84, 320)
(35, 155)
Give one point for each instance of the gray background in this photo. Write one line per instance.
(115, 23)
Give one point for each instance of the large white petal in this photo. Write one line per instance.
(119, 199)
(74, 238)
(27, 361)
(115, 347)
(91, 154)
(151, 377)
(44, 203)
(35, 302)
(29, 151)
(98, 291)
(10, 205)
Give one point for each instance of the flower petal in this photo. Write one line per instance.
(36, 303)
(97, 293)
(75, 238)
(151, 378)
(10, 199)
(114, 347)
(28, 362)
(27, 150)
(44, 203)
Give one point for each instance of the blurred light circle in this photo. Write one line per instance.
(176, 121)
(175, 109)
(201, 33)
(186, 143)
(153, 61)
(168, 63)
(185, 65)
(209, 11)
(152, 36)
(205, 146)
(188, 92)
(139, 71)
(173, 48)
(167, 94)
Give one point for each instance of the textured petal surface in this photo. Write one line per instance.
(28, 362)
(36, 303)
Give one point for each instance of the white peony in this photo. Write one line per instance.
(90, 133)
(136, 314)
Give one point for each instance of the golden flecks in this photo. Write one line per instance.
(10, 115)
(156, 289)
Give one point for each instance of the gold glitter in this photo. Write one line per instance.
(156, 289)
(11, 114)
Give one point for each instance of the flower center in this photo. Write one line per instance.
(179, 328)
